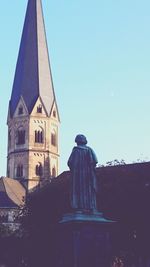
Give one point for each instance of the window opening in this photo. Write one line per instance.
(39, 109)
(39, 169)
(9, 137)
(39, 137)
(20, 137)
(20, 110)
(54, 113)
(53, 139)
(54, 172)
(19, 172)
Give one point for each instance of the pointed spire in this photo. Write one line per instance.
(33, 77)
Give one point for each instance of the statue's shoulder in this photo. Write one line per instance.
(93, 155)
(91, 151)
(75, 149)
(89, 148)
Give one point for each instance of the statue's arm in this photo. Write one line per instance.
(94, 158)
(70, 160)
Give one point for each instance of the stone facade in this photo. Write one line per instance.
(32, 160)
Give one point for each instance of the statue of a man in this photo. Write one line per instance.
(82, 163)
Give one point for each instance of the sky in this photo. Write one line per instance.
(100, 60)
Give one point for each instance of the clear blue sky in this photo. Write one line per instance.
(100, 60)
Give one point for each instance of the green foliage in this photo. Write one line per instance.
(115, 162)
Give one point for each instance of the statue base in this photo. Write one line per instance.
(80, 216)
(84, 240)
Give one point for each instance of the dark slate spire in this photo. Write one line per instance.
(33, 75)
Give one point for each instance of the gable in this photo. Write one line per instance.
(21, 109)
(39, 109)
(54, 112)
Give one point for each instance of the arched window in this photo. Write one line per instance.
(39, 169)
(19, 171)
(8, 171)
(39, 109)
(54, 113)
(9, 137)
(39, 136)
(20, 110)
(54, 138)
(54, 172)
(20, 136)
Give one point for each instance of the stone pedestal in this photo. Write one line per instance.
(84, 241)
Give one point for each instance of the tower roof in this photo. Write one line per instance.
(33, 77)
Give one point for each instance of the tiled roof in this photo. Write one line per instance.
(12, 193)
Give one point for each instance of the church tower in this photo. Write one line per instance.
(33, 118)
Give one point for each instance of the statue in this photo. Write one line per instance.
(82, 163)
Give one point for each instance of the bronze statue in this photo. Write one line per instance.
(82, 163)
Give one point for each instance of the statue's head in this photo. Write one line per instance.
(81, 139)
